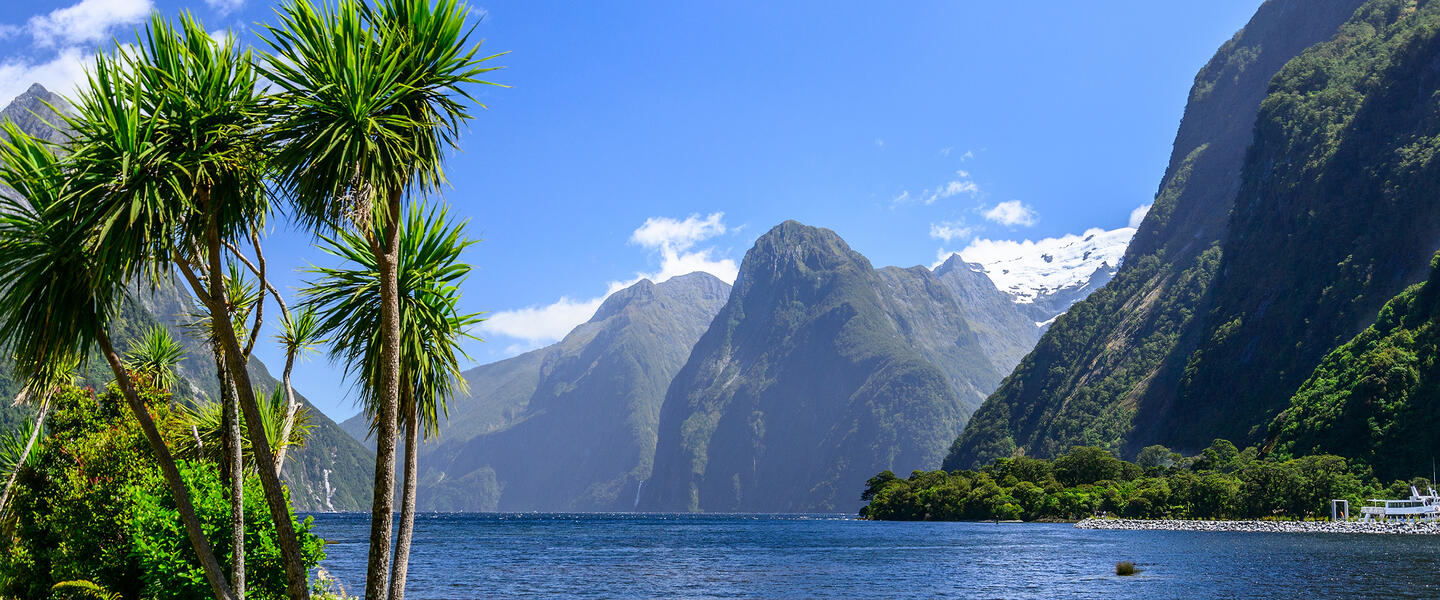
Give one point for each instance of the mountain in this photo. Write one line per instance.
(332, 471)
(1376, 397)
(1298, 200)
(821, 370)
(570, 427)
(1049, 276)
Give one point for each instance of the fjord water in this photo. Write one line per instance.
(830, 556)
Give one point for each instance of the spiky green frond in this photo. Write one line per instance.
(54, 296)
(300, 332)
(165, 135)
(12, 447)
(155, 355)
(347, 300)
(206, 419)
(369, 100)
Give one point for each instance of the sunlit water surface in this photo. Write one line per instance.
(831, 556)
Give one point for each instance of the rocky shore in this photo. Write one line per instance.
(1393, 527)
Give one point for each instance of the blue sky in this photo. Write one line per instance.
(650, 138)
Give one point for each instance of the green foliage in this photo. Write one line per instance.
(204, 420)
(369, 100)
(346, 300)
(155, 356)
(1375, 397)
(96, 509)
(1222, 484)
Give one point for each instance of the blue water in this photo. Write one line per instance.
(827, 556)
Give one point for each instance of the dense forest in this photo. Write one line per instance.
(1221, 482)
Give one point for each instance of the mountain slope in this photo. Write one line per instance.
(1213, 322)
(571, 427)
(819, 371)
(1377, 397)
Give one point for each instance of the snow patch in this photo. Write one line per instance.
(1031, 269)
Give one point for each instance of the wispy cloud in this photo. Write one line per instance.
(225, 7)
(64, 42)
(879, 143)
(961, 184)
(1012, 213)
(946, 151)
(1138, 215)
(967, 156)
(673, 239)
(951, 231)
(59, 74)
(88, 22)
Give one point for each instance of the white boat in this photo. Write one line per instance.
(1415, 508)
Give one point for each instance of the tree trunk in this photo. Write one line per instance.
(237, 493)
(407, 504)
(213, 573)
(24, 454)
(382, 511)
(296, 578)
(291, 407)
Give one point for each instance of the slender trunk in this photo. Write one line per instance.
(382, 511)
(213, 573)
(232, 471)
(407, 503)
(24, 454)
(296, 578)
(237, 495)
(291, 407)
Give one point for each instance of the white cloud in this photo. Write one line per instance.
(540, 324)
(963, 184)
(537, 326)
(89, 21)
(60, 74)
(879, 143)
(225, 7)
(1012, 213)
(946, 151)
(967, 156)
(950, 230)
(1138, 215)
(664, 232)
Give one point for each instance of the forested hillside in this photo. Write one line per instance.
(1279, 228)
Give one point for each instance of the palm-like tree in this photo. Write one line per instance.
(346, 300)
(13, 454)
(369, 101)
(60, 294)
(207, 420)
(155, 355)
(168, 158)
(300, 335)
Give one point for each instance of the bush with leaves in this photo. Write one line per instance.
(93, 507)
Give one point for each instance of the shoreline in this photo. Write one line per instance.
(1391, 528)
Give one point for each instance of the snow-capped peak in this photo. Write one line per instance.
(1027, 270)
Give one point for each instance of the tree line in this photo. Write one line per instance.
(1222, 482)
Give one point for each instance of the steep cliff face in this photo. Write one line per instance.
(1252, 265)
(819, 371)
(1376, 398)
(572, 427)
